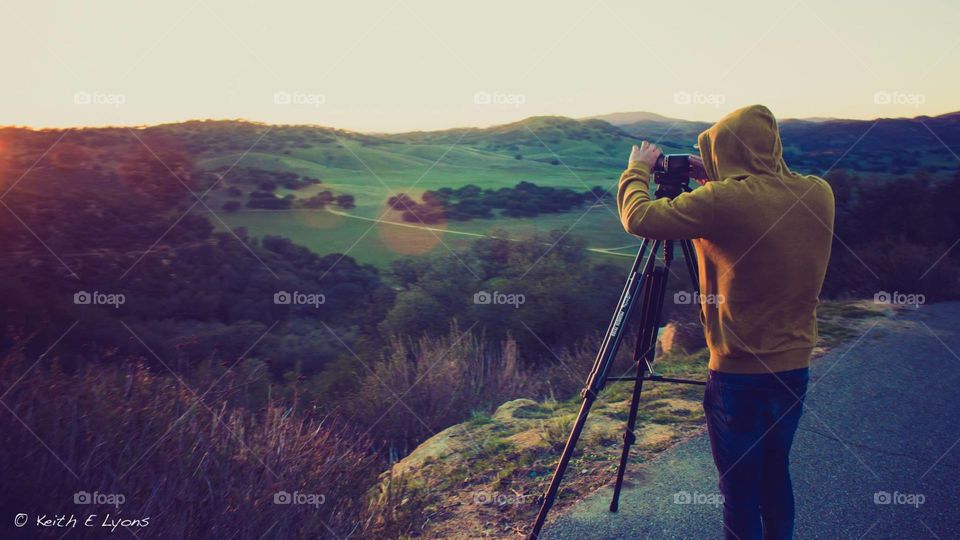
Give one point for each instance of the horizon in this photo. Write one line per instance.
(380, 132)
(374, 69)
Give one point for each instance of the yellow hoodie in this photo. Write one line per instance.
(762, 236)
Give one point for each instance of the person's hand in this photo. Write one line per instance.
(645, 153)
(697, 171)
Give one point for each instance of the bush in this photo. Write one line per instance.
(893, 265)
(895, 236)
(269, 201)
(345, 201)
(232, 206)
(441, 381)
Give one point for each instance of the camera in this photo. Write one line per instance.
(672, 168)
(672, 174)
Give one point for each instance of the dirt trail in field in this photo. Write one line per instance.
(602, 251)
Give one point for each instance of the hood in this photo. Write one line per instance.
(743, 143)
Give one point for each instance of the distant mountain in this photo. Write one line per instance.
(816, 119)
(624, 118)
(634, 117)
(590, 143)
(887, 146)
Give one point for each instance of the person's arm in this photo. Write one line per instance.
(689, 215)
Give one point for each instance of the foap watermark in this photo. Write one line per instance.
(686, 298)
(96, 97)
(295, 97)
(905, 499)
(485, 298)
(696, 97)
(309, 499)
(694, 497)
(85, 497)
(482, 498)
(97, 298)
(297, 298)
(898, 298)
(496, 97)
(896, 97)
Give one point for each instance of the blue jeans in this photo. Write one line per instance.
(751, 420)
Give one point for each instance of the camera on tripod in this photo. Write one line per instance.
(672, 174)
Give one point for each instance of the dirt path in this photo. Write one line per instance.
(602, 251)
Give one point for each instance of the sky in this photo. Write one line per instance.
(403, 65)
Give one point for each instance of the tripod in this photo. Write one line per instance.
(647, 284)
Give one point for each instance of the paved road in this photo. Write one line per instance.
(882, 416)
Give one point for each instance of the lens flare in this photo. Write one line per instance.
(408, 232)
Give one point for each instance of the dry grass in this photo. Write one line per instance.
(199, 466)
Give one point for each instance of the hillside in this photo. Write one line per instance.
(886, 146)
(488, 474)
(589, 143)
(363, 171)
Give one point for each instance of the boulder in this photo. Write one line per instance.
(681, 337)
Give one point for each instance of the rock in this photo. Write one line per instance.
(505, 412)
(681, 337)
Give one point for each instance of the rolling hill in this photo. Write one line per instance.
(370, 168)
(885, 146)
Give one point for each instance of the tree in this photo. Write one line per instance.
(345, 201)
(232, 206)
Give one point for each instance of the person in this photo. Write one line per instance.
(762, 234)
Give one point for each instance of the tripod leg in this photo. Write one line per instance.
(629, 437)
(656, 290)
(640, 359)
(690, 258)
(626, 296)
(605, 357)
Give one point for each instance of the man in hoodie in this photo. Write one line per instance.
(762, 234)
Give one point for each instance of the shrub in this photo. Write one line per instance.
(424, 386)
(232, 206)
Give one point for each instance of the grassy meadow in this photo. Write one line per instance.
(373, 233)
